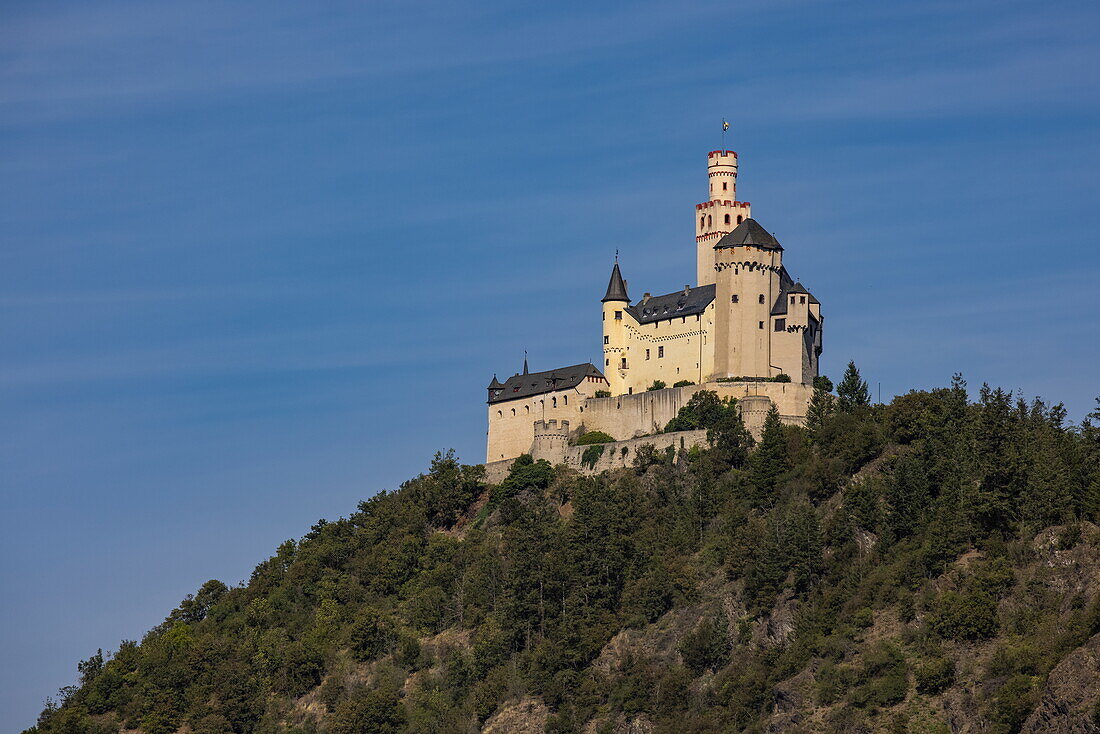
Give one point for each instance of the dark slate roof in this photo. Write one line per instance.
(537, 383)
(495, 383)
(749, 232)
(786, 287)
(681, 303)
(616, 287)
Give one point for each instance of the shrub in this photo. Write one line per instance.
(682, 383)
(587, 439)
(935, 675)
(965, 616)
(781, 377)
(707, 646)
(591, 455)
(603, 393)
(657, 385)
(821, 382)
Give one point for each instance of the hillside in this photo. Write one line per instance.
(931, 565)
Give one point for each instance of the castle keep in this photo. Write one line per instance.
(745, 330)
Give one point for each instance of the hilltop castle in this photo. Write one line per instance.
(746, 330)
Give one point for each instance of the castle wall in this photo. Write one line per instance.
(671, 350)
(615, 455)
(511, 423)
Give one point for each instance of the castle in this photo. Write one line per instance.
(746, 330)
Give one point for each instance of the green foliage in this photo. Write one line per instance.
(682, 383)
(781, 377)
(592, 455)
(935, 675)
(821, 382)
(852, 392)
(431, 607)
(591, 437)
(657, 385)
(603, 394)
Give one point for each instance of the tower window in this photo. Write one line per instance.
(660, 352)
(624, 363)
(727, 219)
(555, 403)
(607, 340)
(739, 219)
(792, 299)
(761, 297)
(710, 220)
(702, 221)
(647, 354)
(565, 400)
(802, 299)
(781, 324)
(761, 324)
(513, 412)
(500, 414)
(607, 363)
(735, 298)
(724, 185)
(618, 315)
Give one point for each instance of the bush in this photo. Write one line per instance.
(935, 675)
(781, 377)
(587, 439)
(603, 393)
(657, 385)
(682, 383)
(592, 455)
(964, 616)
(707, 646)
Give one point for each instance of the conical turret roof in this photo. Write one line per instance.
(616, 287)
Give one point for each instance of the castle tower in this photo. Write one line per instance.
(719, 214)
(615, 301)
(747, 265)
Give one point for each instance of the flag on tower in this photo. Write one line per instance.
(725, 126)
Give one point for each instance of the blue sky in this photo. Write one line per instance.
(258, 260)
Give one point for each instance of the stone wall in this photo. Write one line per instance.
(615, 455)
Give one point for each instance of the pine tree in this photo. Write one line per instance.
(822, 405)
(770, 460)
(804, 545)
(852, 392)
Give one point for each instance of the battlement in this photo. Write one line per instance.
(552, 427)
(723, 202)
(722, 154)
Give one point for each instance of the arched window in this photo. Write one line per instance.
(702, 221)
(527, 409)
(565, 400)
(513, 412)
(710, 220)
(727, 219)
(500, 414)
(555, 404)
(739, 219)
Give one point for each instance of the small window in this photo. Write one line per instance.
(792, 299)
(660, 352)
(710, 220)
(739, 219)
(735, 298)
(761, 297)
(606, 340)
(618, 315)
(607, 363)
(761, 324)
(630, 391)
(647, 354)
(781, 324)
(802, 299)
(527, 409)
(565, 400)
(513, 412)
(702, 221)
(724, 187)
(500, 414)
(555, 402)
(727, 219)
(624, 363)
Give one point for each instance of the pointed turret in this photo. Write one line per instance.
(616, 287)
(495, 388)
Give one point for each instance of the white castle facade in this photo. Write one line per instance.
(745, 330)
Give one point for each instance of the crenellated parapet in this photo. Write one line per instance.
(551, 439)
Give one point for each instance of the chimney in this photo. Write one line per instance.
(645, 298)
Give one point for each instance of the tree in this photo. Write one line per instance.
(852, 392)
(770, 460)
(822, 405)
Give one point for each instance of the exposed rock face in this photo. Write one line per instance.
(1069, 701)
(526, 716)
